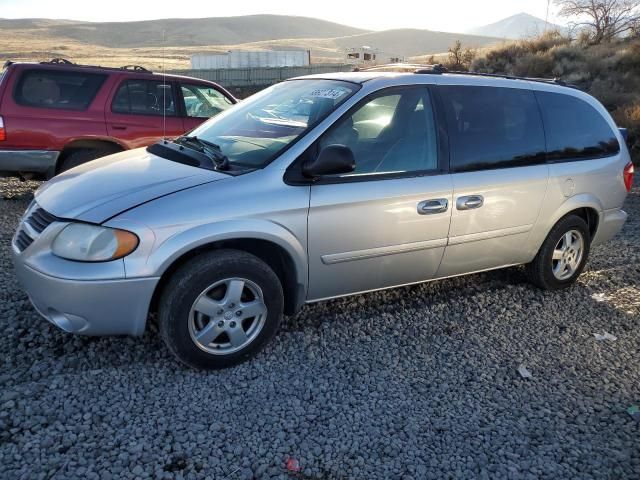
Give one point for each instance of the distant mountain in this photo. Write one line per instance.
(408, 42)
(104, 42)
(182, 32)
(517, 26)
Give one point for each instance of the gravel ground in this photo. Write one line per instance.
(418, 382)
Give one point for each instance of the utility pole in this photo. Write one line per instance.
(546, 18)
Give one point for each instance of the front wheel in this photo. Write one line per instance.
(220, 309)
(563, 255)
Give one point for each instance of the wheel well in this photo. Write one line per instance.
(590, 216)
(272, 254)
(106, 145)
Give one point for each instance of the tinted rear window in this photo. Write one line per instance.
(57, 89)
(492, 127)
(574, 129)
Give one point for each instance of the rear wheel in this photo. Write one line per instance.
(220, 309)
(84, 155)
(562, 256)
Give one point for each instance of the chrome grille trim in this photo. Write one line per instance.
(35, 221)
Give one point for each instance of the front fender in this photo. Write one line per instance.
(155, 257)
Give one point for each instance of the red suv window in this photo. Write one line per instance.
(57, 89)
(144, 97)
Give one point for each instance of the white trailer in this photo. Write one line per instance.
(247, 59)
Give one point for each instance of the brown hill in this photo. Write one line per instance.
(120, 43)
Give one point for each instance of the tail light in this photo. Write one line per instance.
(3, 132)
(627, 174)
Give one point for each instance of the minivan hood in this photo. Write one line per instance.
(98, 190)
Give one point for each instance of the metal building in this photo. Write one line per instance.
(244, 59)
(366, 55)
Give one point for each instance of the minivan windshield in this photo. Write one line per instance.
(257, 130)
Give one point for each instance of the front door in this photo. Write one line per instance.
(386, 223)
(499, 175)
(144, 111)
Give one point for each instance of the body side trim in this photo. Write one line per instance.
(382, 251)
(503, 232)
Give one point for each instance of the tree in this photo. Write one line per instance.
(605, 19)
(460, 58)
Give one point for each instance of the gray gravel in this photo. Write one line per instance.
(418, 382)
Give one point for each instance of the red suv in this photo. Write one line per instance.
(56, 115)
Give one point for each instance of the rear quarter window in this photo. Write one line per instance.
(492, 127)
(65, 90)
(575, 130)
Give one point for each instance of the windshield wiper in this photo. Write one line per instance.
(213, 151)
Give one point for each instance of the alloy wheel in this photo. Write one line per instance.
(567, 255)
(227, 316)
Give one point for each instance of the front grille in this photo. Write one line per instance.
(40, 219)
(23, 240)
(33, 224)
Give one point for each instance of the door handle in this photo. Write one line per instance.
(429, 207)
(119, 127)
(469, 202)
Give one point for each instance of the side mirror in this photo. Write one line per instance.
(332, 160)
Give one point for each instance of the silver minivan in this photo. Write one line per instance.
(321, 187)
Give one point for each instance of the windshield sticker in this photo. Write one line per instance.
(332, 93)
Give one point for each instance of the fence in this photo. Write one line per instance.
(247, 80)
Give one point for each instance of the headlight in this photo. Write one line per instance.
(91, 243)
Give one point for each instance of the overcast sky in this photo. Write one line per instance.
(447, 15)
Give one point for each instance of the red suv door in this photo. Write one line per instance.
(201, 102)
(141, 109)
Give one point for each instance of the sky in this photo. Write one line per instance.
(451, 16)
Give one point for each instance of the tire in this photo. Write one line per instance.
(548, 273)
(84, 155)
(198, 315)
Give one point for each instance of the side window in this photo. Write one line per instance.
(201, 101)
(575, 130)
(57, 89)
(392, 132)
(144, 97)
(492, 127)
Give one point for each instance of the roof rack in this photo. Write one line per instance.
(395, 67)
(64, 61)
(436, 69)
(135, 68)
(439, 69)
(58, 61)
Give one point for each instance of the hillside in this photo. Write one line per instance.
(199, 31)
(114, 44)
(517, 26)
(410, 42)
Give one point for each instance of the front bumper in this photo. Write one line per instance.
(89, 307)
(32, 161)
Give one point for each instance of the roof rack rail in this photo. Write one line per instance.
(64, 61)
(436, 69)
(135, 68)
(58, 61)
(439, 69)
(555, 81)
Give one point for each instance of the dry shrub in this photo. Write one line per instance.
(629, 117)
